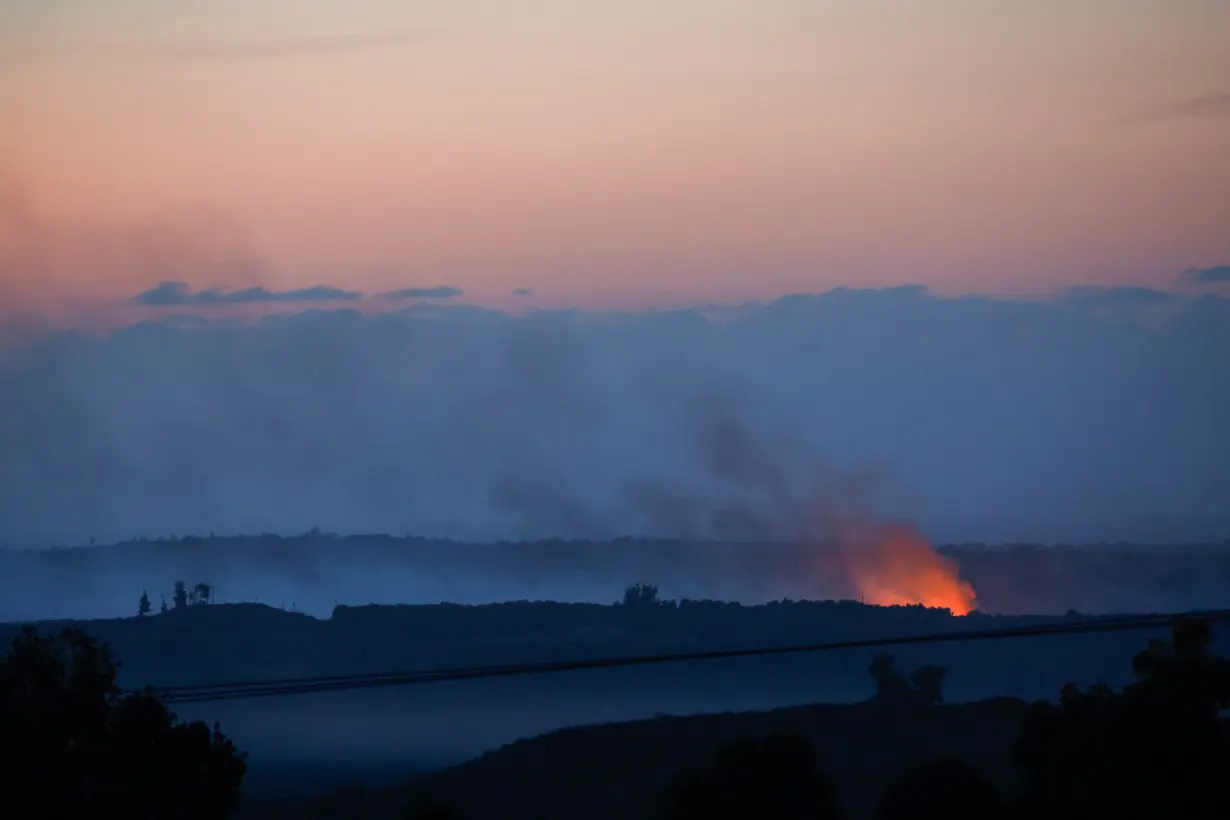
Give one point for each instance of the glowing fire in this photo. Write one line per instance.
(890, 564)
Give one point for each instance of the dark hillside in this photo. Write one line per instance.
(617, 771)
(208, 643)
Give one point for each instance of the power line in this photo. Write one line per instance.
(187, 689)
(306, 685)
(279, 687)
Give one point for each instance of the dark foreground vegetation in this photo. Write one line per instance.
(1154, 750)
(74, 746)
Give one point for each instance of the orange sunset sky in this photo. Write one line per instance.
(609, 153)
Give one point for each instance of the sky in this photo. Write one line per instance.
(484, 269)
(607, 154)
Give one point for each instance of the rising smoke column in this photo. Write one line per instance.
(787, 493)
(891, 564)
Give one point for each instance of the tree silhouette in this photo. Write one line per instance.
(945, 789)
(891, 685)
(202, 593)
(143, 606)
(928, 683)
(1158, 749)
(180, 596)
(924, 687)
(1185, 669)
(74, 746)
(777, 777)
(640, 596)
(163, 608)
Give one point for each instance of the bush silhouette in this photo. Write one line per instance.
(74, 745)
(924, 687)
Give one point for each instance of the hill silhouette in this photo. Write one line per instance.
(1157, 748)
(211, 643)
(619, 770)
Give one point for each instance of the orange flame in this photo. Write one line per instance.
(893, 564)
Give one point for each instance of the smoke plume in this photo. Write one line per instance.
(1069, 419)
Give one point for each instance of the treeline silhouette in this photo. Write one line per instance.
(181, 597)
(641, 612)
(642, 607)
